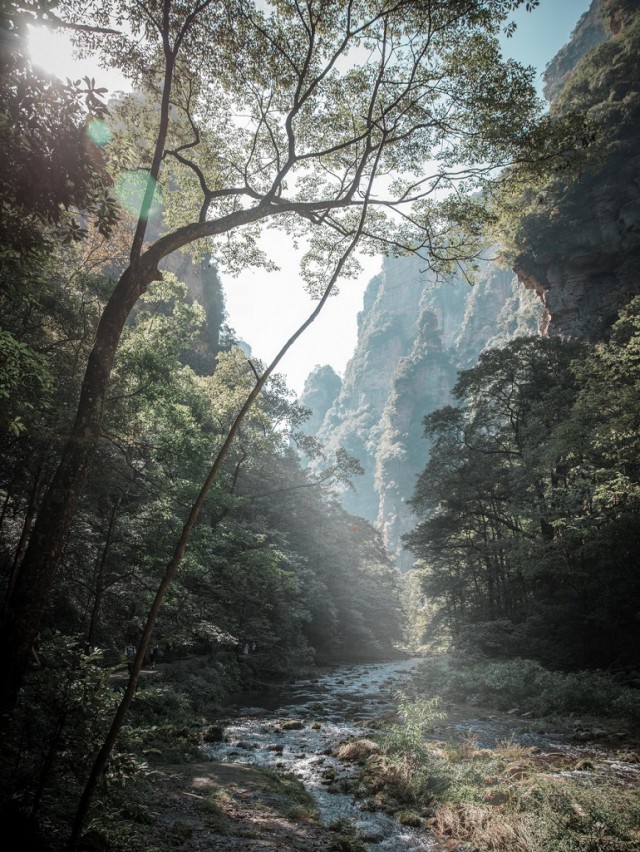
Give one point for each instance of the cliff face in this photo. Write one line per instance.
(414, 334)
(580, 250)
(320, 392)
(579, 263)
(205, 287)
(590, 31)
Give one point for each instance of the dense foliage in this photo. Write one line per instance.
(276, 569)
(552, 220)
(530, 502)
(295, 120)
(113, 414)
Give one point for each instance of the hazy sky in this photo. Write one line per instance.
(265, 308)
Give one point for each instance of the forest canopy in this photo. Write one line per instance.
(317, 118)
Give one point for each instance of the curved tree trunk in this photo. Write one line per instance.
(100, 764)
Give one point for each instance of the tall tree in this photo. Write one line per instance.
(287, 113)
(530, 501)
(488, 494)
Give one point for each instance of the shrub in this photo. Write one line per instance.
(530, 687)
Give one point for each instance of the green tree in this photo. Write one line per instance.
(597, 603)
(489, 492)
(530, 502)
(50, 169)
(334, 97)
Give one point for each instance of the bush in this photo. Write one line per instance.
(525, 684)
(418, 717)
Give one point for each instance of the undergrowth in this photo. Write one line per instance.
(528, 686)
(506, 799)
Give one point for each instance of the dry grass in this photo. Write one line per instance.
(357, 751)
(485, 827)
(511, 798)
(513, 751)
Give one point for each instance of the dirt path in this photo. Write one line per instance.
(236, 808)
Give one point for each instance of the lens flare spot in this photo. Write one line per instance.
(99, 132)
(130, 191)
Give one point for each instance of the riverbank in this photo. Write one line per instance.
(354, 759)
(224, 806)
(509, 780)
(406, 777)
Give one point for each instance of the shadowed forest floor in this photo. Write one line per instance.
(221, 806)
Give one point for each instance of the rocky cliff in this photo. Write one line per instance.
(578, 262)
(414, 334)
(205, 288)
(579, 246)
(590, 31)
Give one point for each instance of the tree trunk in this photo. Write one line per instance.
(101, 761)
(100, 572)
(30, 594)
(34, 499)
(34, 580)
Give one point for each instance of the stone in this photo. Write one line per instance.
(213, 734)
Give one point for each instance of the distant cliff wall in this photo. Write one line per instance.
(414, 334)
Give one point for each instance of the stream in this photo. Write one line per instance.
(294, 728)
(330, 709)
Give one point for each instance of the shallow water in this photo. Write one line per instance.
(339, 705)
(344, 703)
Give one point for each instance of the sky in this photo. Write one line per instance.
(266, 308)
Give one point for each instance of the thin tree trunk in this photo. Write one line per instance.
(36, 493)
(102, 759)
(6, 501)
(29, 598)
(48, 762)
(99, 581)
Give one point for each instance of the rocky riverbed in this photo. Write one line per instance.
(274, 781)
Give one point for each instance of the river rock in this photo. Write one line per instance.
(583, 736)
(213, 734)
(372, 837)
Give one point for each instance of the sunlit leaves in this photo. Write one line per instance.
(321, 105)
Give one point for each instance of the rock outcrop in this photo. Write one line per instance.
(590, 31)
(321, 390)
(581, 250)
(205, 288)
